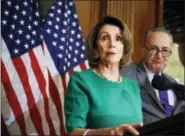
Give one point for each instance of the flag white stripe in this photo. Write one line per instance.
(31, 78)
(43, 65)
(34, 85)
(77, 68)
(67, 76)
(87, 64)
(8, 118)
(14, 78)
(58, 83)
(17, 86)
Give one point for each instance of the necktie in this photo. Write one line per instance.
(163, 95)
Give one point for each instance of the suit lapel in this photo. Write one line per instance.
(145, 83)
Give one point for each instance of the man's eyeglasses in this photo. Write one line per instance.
(166, 52)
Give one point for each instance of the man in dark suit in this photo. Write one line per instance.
(156, 51)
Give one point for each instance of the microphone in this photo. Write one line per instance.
(161, 83)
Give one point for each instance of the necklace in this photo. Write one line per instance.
(99, 72)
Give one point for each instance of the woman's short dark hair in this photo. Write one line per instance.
(91, 42)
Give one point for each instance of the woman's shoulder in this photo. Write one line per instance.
(128, 80)
(130, 83)
(83, 73)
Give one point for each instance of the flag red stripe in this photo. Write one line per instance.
(56, 99)
(42, 46)
(12, 100)
(70, 72)
(64, 83)
(83, 66)
(34, 113)
(42, 86)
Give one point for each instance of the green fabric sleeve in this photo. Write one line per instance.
(76, 104)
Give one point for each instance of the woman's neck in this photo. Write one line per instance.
(109, 72)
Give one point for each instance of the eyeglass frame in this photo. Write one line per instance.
(157, 49)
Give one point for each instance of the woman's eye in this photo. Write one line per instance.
(118, 38)
(105, 37)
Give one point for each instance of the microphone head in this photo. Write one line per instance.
(159, 82)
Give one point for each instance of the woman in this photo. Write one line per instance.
(99, 101)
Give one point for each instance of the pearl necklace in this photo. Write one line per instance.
(100, 74)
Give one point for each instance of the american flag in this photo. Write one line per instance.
(65, 50)
(34, 74)
(63, 38)
(23, 73)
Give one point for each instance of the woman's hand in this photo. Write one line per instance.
(116, 131)
(122, 129)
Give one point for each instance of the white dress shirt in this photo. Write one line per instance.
(171, 95)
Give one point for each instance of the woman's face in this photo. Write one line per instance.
(110, 45)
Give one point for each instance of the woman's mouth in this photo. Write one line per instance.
(111, 53)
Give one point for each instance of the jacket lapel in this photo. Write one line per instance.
(145, 83)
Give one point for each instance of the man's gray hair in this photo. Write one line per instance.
(158, 29)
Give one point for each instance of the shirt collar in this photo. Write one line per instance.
(150, 74)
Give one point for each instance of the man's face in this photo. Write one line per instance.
(157, 51)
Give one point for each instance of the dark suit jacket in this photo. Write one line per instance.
(151, 106)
